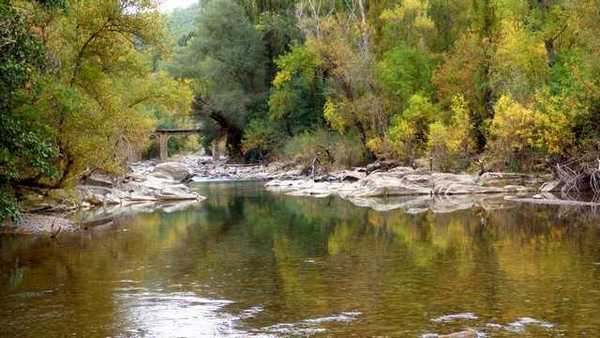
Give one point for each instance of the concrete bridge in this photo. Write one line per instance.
(164, 134)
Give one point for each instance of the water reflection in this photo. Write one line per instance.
(250, 263)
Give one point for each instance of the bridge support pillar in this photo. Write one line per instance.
(163, 143)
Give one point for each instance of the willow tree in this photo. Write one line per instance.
(226, 62)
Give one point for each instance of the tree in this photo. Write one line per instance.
(451, 143)
(403, 72)
(26, 149)
(105, 80)
(226, 61)
(297, 96)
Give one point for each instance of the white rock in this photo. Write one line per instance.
(177, 170)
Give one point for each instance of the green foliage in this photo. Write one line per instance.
(25, 149)
(296, 99)
(408, 131)
(405, 71)
(520, 62)
(225, 59)
(82, 88)
(226, 62)
(106, 80)
(181, 22)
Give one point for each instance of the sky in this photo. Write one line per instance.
(167, 5)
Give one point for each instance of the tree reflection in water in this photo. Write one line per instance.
(247, 262)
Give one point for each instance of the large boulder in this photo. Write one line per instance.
(177, 170)
(394, 183)
(96, 195)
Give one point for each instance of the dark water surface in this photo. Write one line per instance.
(250, 263)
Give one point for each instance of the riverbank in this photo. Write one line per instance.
(151, 185)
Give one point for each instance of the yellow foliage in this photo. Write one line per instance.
(518, 132)
(282, 77)
(514, 125)
(520, 63)
(451, 145)
(334, 116)
(410, 20)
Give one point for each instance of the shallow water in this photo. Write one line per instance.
(251, 263)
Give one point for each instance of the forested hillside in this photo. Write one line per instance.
(496, 84)
(461, 85)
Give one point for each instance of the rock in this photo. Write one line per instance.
(176, 194)
(381, 166)
(99, 179)
(351, 176)
(495, 179)
(415, 191)
(96, 195)
(177, 170)
(393, 184)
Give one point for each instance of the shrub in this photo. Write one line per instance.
(407, 134)
(523, 137)
(331, 148)
(261, 137)
(452, 144)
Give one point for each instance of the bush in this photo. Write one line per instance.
(523, 137)
(451, 145)
(261, 138)
(332, 149)
(407, 134)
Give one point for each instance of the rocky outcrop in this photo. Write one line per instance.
(421, 189)
(403, 181)
(148, 184)
(143, 184)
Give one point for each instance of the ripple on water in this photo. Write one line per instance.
(454, 317)
(176, 314)
(312, 325)
(518, 326)
(251, 312)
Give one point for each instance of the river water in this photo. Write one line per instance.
(247, 262)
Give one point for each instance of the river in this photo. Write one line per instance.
(247, 262)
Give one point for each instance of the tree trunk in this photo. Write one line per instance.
(234, 143)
